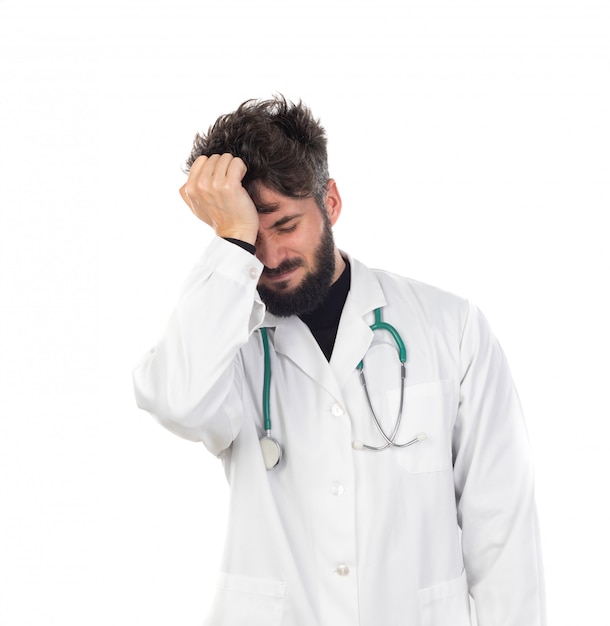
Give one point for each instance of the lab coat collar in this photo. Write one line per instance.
(293, 338)
(354, 335)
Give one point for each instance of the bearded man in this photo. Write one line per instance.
(386, 498)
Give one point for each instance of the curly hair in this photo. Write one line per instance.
(282, 145)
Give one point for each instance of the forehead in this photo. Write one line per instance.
(268, 200)
(273, 206)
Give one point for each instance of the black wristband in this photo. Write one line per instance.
(242, 244)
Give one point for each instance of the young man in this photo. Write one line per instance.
(356, 497)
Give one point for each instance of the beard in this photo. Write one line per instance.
(313, 289)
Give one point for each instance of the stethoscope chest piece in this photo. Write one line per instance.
(272, 451)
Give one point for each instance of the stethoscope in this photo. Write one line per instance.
(270, 447)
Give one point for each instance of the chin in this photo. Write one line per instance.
(282, 287)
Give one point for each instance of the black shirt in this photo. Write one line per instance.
(323, 322)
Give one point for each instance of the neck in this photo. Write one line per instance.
(323, 322)
(339, 266)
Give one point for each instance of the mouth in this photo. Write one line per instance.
(279, 282)
(280, 275)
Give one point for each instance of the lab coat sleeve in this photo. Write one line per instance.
(190, 380)
(494, 485)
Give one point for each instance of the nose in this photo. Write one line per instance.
(269, 253)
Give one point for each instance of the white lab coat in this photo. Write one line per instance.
(339, 536)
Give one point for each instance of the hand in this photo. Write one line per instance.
(214, 193)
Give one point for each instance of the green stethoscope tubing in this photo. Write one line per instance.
(390, 440)
(379, 324)
(272, 451)
(270, 447)
(266, 382)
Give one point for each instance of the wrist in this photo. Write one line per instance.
(242, 244)
(239, 234)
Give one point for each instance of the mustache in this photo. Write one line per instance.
(284, 266)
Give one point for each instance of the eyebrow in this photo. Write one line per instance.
(284, 220)
(267, 208)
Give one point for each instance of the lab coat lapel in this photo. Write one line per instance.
(354, 335)
(293, 339)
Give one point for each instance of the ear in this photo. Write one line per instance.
(333, 201)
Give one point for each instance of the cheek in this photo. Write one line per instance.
(306, 248)
(296, 243)
(309, 237)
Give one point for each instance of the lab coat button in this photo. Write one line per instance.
(253, 273)
(342, 569)
(336, 410)
(337, 489)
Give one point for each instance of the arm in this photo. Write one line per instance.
(186, 380)
(495, 487)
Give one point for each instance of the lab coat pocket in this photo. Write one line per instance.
(246, 601)
(447, 603)
(428, 410)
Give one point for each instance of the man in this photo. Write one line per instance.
(374, 504)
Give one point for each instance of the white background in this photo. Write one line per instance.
(470, 141)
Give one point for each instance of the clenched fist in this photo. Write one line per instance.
(214, 193)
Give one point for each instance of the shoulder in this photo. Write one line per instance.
(428, 300)
(412, 299)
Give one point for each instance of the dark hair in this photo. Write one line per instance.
(282, 145)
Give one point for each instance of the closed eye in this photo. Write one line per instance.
(288, 229)
(287, 223)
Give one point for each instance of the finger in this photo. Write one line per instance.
(237, 169)
(194, 171)
(185, 196)
(221, 165)
(198, 164)
(199, 177)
